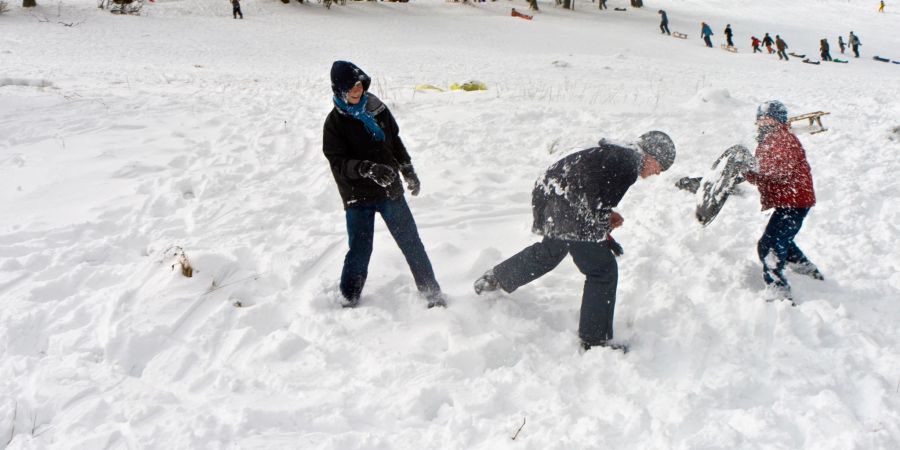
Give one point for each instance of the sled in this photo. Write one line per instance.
(808, 61)
(717, 186)
(796, 55)
(729, 48)
(895, 62)
(840, 61)
(815, 118)
(878, 58)
(679, 35)
(469, 86)
(621, 9)
(520, 15)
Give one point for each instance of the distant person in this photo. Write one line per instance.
(728, 35)
(572, 204)
(841, 44)
(755, 43)
(854, 44)
(881, 8)
(784, 180)
(236, 9)
(782, 47)
(824, 49)
(602, 4)
(768, 42)
(705, 33)
(664, 23)
(361, 141)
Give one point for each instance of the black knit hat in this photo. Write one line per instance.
(344, 75)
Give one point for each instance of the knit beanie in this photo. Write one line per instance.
(660, 146)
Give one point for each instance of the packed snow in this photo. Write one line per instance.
(126, 138)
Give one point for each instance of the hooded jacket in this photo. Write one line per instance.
(784, 178)
(346, 143)
(574, 197)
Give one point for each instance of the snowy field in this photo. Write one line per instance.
(123, 136)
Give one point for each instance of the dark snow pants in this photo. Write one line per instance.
(783, 54)
(664, 27)
(757, 49)
(708, 41)
(361, 231)
(729, 41)
(236, 11)
(776, 247)
(856, 51)
(595, 260)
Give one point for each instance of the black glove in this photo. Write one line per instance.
(614, 246)
(382, 174)
(412, 181)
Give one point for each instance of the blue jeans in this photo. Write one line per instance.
(776, 247)
(594, 259)
(361, 231)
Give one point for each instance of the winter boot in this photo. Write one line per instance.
(349, 302)
(608, 344)
(779, 292)
(436, 298)
(806, 268)
(487, 282)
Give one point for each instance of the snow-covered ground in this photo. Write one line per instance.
(121, 137)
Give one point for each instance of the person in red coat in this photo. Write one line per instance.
(784, 180)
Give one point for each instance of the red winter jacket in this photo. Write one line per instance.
(784, 178)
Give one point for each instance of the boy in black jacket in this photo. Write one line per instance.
(573, 205)
(362, 143)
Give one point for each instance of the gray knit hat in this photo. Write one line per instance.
(660, 146)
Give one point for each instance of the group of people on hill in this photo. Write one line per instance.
(779, 44)
(572, 204)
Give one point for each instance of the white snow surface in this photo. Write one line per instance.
(123, 136)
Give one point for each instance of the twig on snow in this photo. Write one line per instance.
(520, 429)
(186, 268)
(12, 432)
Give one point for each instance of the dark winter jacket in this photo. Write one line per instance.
(574, 198)
(346, 143)
(767, 41)
(780, 44)
(705, 30)
(665, 18)
(728, 32)
(784, 178)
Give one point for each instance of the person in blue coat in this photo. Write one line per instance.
(664, 23)
(705, 33)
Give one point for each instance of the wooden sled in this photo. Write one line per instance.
(679, 35)
(815, 118)
(520, 15)
(729, 48)
(809, 61)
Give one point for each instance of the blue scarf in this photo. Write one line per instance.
(358, 112)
